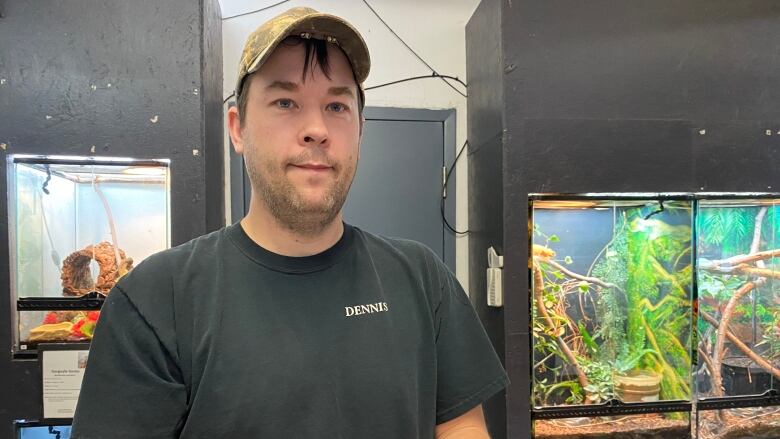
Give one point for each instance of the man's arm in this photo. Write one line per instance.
(132, 387)
(470, 425)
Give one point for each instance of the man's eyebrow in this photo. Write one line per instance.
(340, 91)
(282, 85)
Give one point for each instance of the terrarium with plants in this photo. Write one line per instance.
(738, 276)
(612, 316)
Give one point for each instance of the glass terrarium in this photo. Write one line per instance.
(738, 277)
(31, 430)
(612, 315)
(76, 225)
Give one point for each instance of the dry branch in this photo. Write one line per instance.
(728, 265)
(589, 279)
(758, 359)
(539, 299)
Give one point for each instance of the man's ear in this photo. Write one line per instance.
(362, 122)
(234, 128)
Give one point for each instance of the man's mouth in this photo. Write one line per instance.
(312, 166)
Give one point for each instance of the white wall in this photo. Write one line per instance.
(435, 29)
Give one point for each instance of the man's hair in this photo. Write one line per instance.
(315, 54)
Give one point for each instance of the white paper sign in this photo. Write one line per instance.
(62, 375)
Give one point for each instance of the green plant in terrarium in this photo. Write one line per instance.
(645, 259)
(600, 386)
(734, 305)
(770, 339)
(639, 286)
(657, 291)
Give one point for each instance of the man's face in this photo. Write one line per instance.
(301, 137)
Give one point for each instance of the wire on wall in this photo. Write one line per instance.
(444, 191)
(435, 73)
(413, 78)
(255, 11)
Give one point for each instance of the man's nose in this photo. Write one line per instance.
(314, 131)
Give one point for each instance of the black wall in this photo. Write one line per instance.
(485, 131)
(604, 96)
(138, 79)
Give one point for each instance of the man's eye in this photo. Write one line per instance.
(284, 103)
(337, 107)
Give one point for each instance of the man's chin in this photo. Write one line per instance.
(314, 201)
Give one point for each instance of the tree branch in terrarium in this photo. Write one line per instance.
(729, 265)
(758, 359)
(758, 272)
(571, 274)
(720, 338)
(708, 363)
(728, 311)
(548, 321)
(757, 225)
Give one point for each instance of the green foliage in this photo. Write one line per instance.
(610, 309)
(643, 322)
(771, 229)
(543, 391)
(587, 339)
(548, 239)
(728, 228)
(770, 339)
(658, 301)
(720, 286)
(600, 386)
(628, 362)
(744, 311)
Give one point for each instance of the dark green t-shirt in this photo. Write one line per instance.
(220, 338)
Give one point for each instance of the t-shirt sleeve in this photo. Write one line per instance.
(132, 386)
(468, 369)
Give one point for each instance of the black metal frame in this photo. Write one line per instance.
(88, 302)
(85, 160)
(769, 398)
(612, 407)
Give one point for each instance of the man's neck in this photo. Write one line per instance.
(265, 231)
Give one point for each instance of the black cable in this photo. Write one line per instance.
(227, 98)
(413, 78)
(444, 190)
(443, 78)
(48, 179)
(55, 432)
(660, 209)
(256, 11)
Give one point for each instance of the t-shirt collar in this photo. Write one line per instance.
(290, 264)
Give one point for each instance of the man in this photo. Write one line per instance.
(291, 323)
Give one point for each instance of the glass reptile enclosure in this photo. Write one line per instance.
(76, 226)
(654, 316)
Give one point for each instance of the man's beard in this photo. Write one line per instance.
(290, 209)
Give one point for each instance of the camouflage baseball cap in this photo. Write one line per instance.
(305, 23)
